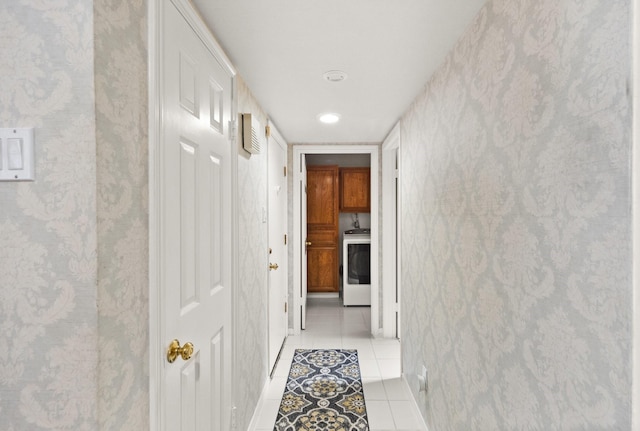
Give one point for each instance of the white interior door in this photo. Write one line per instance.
(195, 277)
(303, 236)
(277, 195)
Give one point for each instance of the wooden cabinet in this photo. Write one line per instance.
(322, 265)
(355, 190)
(322, 197)
(322, 229)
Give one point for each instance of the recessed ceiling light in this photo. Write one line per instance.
(334, 76)
(329, 118)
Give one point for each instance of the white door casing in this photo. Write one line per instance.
(303, 242)
(191, 220)
(277, 196)
(390, 230)
(299, 227)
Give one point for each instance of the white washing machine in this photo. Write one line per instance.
(356, 274)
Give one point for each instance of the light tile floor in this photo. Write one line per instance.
(329, 325)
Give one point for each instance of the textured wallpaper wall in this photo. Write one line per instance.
(74, 243)
(48, 229)
(122, 202)
(516, 189)
(251, 296)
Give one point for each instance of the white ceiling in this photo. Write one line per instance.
(388, 48)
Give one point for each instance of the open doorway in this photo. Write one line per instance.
(336, 155)
(339, 228)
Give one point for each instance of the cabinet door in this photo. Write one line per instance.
(355, 185)
(322, 228)
(322, 268)
(322, 197)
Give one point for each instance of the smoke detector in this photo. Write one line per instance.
(334, 76)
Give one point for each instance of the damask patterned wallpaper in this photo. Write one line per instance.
(74, 243)
(122, 202)
(251, 297)
(515, 184)
(48, 228)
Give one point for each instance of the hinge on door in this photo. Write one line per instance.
(267, 131)
(233, 130)
(285, 307)
(285, 171)
(285, 239)
(234, 423)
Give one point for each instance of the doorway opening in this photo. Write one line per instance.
(340, 155)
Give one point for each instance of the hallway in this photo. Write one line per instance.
(329, 325)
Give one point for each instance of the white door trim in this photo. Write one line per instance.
(390, 229)
(155, 11)
(635, 187)
(276, 140)
(374, 151)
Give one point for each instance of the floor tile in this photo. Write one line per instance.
(379, 415)
(373, 389)
(388, 400)
(386, 351)
(404, 415)
(396, 389)
(389, 368)
(268, 414)
(369, 368)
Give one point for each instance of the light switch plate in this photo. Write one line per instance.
(16, 154)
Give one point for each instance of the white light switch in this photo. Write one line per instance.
(16, 154)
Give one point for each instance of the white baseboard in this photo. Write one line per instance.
(414, 405)
(256, 413)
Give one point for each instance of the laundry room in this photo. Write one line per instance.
(339, 227)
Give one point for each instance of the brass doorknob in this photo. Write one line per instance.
(174, 350)
(273, 266)
(307, 243)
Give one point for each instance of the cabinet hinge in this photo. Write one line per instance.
(267, 131)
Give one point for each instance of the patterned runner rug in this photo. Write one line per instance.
(323, 393)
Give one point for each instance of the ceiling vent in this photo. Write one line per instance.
(250, 136)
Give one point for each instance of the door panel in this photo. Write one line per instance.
(322, 196)
(188, 223)
(195, 222)
(322, 229)
(215, 366)
(303, 239)
(320, 277)
(189, 393)
(277, 195)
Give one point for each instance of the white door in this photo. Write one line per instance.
(195, 174)
(277, 184)
(305, 243)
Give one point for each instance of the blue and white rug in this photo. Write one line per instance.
(323, 393)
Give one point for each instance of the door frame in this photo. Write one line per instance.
(157, 348)
(635, 188)
(390, 229)
(374, 151)
(275, 138)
